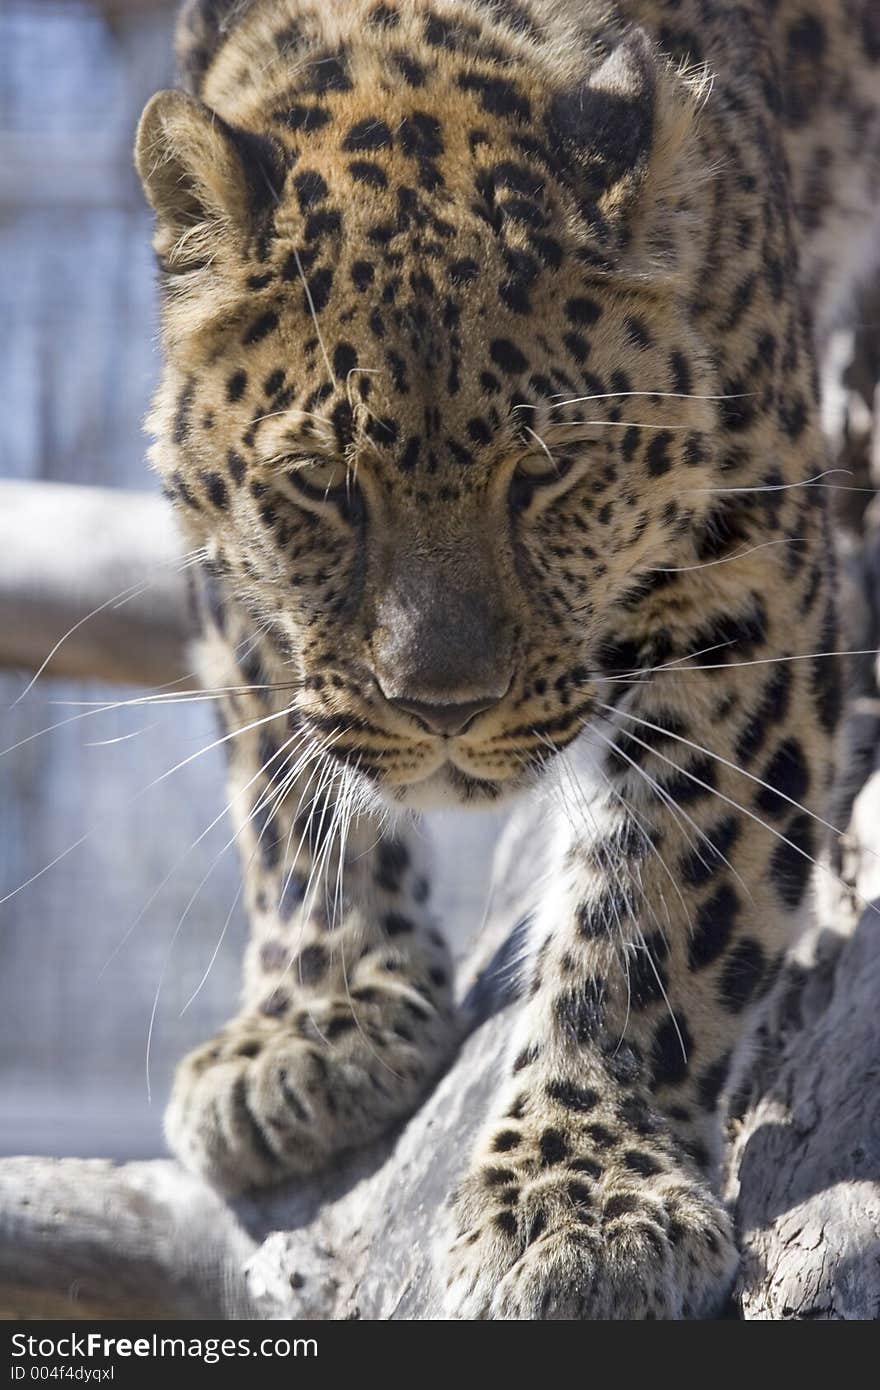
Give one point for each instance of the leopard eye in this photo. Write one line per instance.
(322, 479)
(535, 472)
(540, 466)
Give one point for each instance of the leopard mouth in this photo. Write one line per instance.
(419, 776)
(435, 770)
(463, 778)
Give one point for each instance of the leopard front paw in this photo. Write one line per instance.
(263, 1100)
(571, 1249)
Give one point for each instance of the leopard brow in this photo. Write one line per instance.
(299, 447)
(556, 427)
(561, 431)
(316, 445)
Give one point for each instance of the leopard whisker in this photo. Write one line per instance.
(557, 404)
(672, 669)
(565, 765)
(105, 707)
(318, 875)
(181, 920)
(124, 596)
(219, 742)
(727, 762)
(676, 809)
(120, 738)
(737, 806)
(554, 465)
(343, 834)
(45, 869)
(183, 697)
(324, 770)
(642, 940)
(82, 839)
(318, 750)
(636, 425)
(619, 872)
(789, 487)
(311, 303)
(316, 754)
(631, 812)
(175, 867)
(726, 559)
(319, 806)
(321, 752)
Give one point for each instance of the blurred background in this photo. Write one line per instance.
(112, 908)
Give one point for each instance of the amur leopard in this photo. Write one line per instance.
(490, 408)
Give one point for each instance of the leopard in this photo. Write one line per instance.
(490, 411)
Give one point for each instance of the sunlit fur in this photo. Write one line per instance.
(489, 341)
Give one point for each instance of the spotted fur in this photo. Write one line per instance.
(490, 402)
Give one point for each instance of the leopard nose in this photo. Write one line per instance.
(445, 719)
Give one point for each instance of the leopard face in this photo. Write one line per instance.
(432, 405)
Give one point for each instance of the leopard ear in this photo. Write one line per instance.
(201, 176)
(624, 130)
(605, 124)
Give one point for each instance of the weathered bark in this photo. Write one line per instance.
(82, 1238)
(806, 1155)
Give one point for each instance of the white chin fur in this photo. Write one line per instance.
(445, 788)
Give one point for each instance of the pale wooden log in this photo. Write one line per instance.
(69, 552)
(82, 1238)
(807, 1155)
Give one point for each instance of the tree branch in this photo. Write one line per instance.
(100, 565)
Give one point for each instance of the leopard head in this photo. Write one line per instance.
(432, 404)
